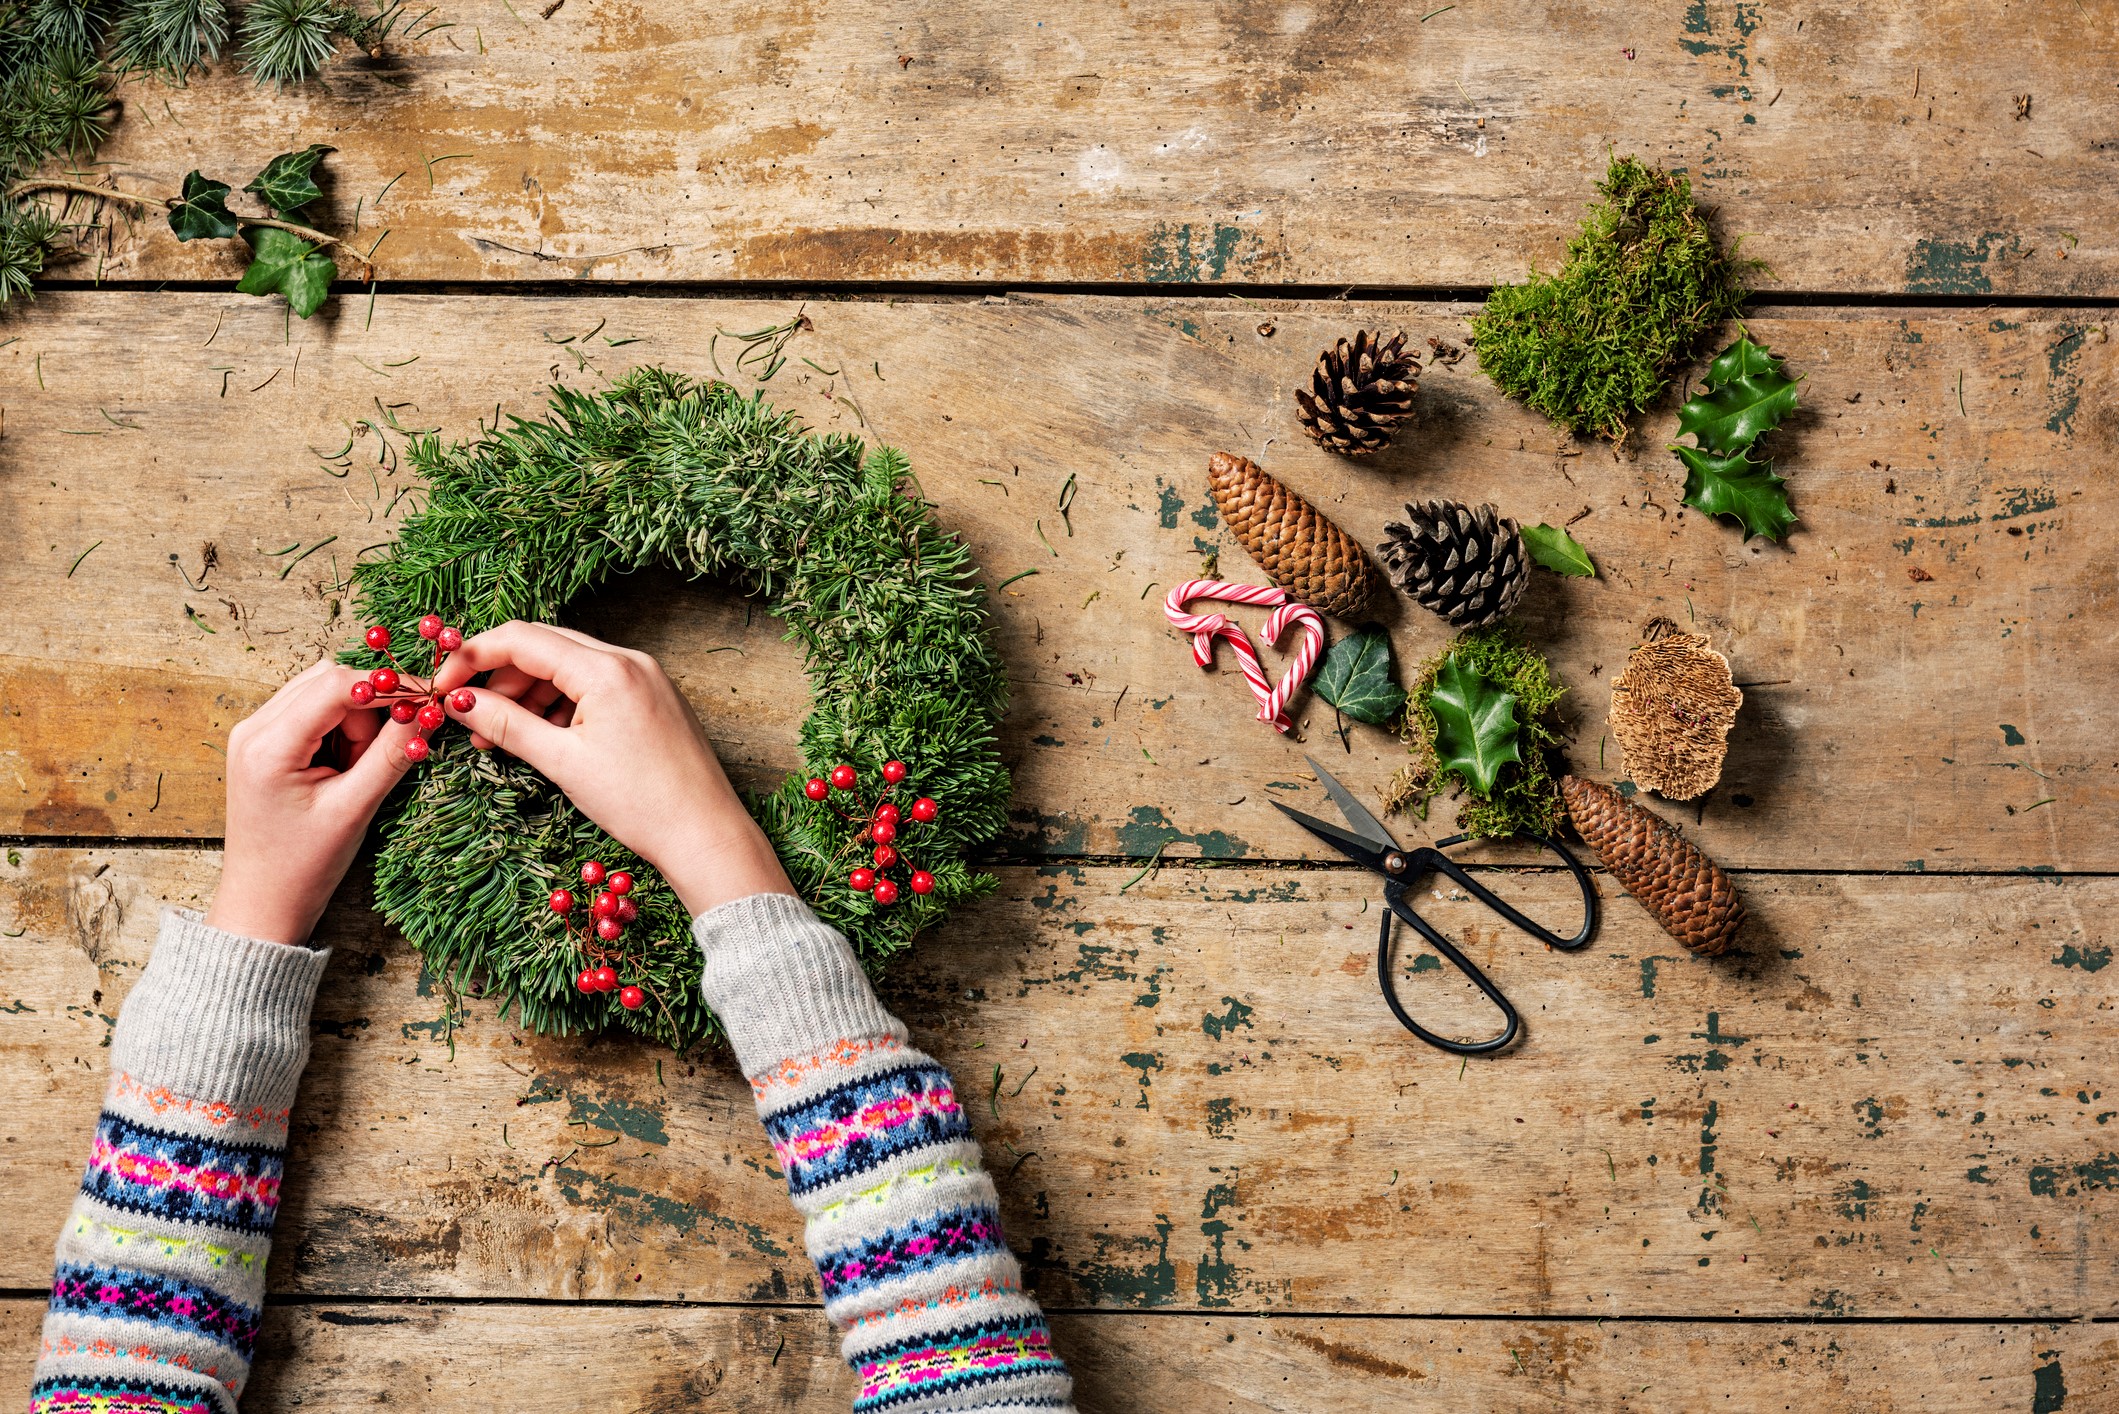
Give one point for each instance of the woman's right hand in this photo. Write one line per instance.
(607, 726)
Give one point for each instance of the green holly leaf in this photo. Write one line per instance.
(201, 212)
(1747, 396)
(1356, 679)
(285, 185)
(1475, 725)
(282, 263)
(1558, 551)
(1737, 486)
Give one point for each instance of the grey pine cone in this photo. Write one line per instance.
(1467, 565)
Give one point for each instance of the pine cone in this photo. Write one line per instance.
(1359, 393)
(1672, 709)
(1466, 565)
(1685, 890)
(1299, 549)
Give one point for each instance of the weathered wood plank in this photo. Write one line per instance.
(1895, 1106)
(1852, 149)
(1927, 657)
(547, 1360)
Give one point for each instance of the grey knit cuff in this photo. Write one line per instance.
(219, 1017)
(784, 984)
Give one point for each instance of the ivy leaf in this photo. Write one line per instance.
(1475, 725)
(1356, 679)
(201, 212)
(285, 185)
(1736, 411)
(283, 263)
(1737, 486)
(1558, 551)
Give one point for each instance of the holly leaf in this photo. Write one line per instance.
(1475, 725)
(1558, 551)
(1736, 411)
(201, 211)
(285, 185)
(282, 263)
(1737, 486)
(1356, 679)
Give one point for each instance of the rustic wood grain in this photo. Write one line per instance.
(1851, 147)
(1925, 661)
(1893, 1105)
(538, 1360)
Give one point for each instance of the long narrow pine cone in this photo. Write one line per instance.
(1467, 565)
(1687, 892)
(1359, 392)
(1300, 550)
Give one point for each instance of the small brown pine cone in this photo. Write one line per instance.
(1671, 709)
(1299, 549)
(1359, 392)
(1685, 890)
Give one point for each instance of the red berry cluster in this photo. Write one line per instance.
(880, 826)
(608, 913)
(408, 698)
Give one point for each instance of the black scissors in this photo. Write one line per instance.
(1370, 844)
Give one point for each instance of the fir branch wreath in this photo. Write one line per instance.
(659, 470)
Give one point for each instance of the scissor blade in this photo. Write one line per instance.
(1351, 845)
(1357, 814)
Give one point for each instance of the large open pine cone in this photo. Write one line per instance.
(1301, 551)
(1467, 565)
(1361, 390)
(1685, 890)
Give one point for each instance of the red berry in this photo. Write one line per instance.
(586, 982)
(450, 639)
(885, 856)
(363, 693)
(620, 883)
(862, 880)
(378, 638)
(887, 811)
(606, 978)
(922, 882)
(886, 892)
(893, 771)
(416, 749)
(561, 901)
(463, 699)
(592, 873)
(609, 929)
(632, 999)
(402, 711)
(431, 717)
(882, 832)
(429, 625)
(816, 788)
(385, 680)
(843, 777)
(924, 809)
(627, 911)
(606, 905)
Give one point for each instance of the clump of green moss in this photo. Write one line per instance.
(1592, 345)
(1525, 799)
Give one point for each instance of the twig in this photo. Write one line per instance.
(307, 233)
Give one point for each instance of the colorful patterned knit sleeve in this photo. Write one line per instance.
(160, 1278)
(903, 1221)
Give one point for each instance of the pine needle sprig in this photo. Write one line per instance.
(169, 38)
(287, 41)
(658, 470)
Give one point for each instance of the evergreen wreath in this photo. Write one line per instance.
(659, 470)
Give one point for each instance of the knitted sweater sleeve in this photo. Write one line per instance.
(160, 1276)
(902, 1219)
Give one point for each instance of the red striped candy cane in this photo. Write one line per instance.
(1205, 628)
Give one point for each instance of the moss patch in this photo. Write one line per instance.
(1594, 344)
(1526, 795)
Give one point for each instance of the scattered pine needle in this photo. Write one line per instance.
(1154, 862)
(79, 558)
(1012, 579)
(288, 568)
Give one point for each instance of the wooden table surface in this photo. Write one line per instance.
(1859, 1168)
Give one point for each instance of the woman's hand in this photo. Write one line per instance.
(294, 825)
(607, 726)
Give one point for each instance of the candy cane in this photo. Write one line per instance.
(1205, 628)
